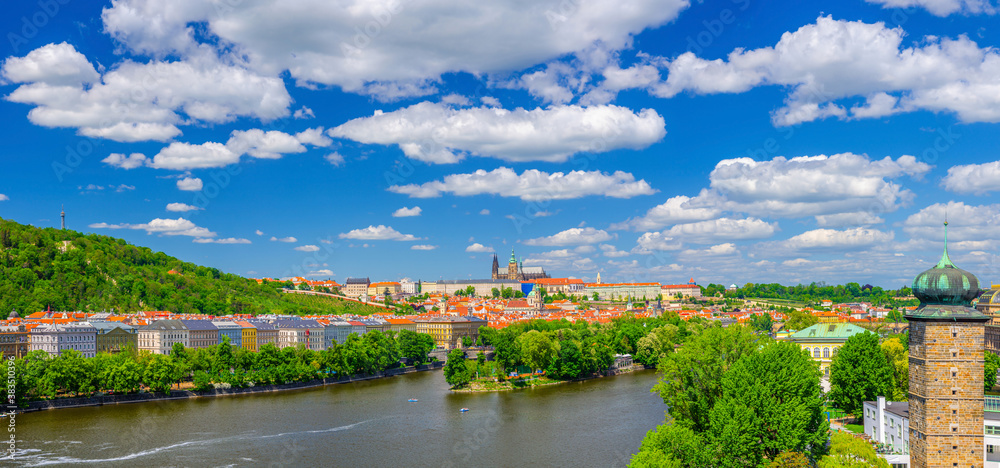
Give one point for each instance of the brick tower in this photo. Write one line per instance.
(946, 369)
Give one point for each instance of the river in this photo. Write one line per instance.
(595, 423)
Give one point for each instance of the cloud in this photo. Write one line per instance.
(674, 210)
(183, 156)
(832, 60)
(825, 240)
(531, 184)
(379, 232)
(334, 159)
(165, 227)
(66, 91)
(973, 178)
(942, 7)
(324, 272)
(860, 218)
(228, 240)
(573, 236)
(4, 197)
(131, 161)
(190, 184)
(181, 207)
(259, 232)
(655, 241)
(438, 133)
(704, 232)
(263, 145)
(289, 239)
(406, 212)
(967, 224)
(611, 251)
(304, 113)
(423, 247)
(477, 247)
(391, 50)
(307, 248)
(484, 211)
(809, 185)
(53, 64)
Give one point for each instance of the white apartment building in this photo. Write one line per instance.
(159, 337)
(56, 338)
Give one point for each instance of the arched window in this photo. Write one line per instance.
(835, 351)
(816, 353)
(826, 353)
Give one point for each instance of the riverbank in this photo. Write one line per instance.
(487, 385)
(62, 403)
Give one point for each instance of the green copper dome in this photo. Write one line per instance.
(945, 284)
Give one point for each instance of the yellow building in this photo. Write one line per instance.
(382, 287)
(249, 335)
(448, 330)
(823, 340)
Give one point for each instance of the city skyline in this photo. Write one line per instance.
(734, 142)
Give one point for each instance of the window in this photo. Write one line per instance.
(816, 353)
(826, 353)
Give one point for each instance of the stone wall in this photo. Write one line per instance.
(946, 394)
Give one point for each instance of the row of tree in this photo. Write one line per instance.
(815, 292)
(567, 350)
(70, 374)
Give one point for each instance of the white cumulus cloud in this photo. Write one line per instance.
(573, 236)
(477, 247)
(439, 133)
(406, 212)
(307, 248)
(289, 239)
(423, 247)
(973, 178)
(181, 207)
(190, 184)
(228, 240)
(531, 184)
(379, 232)
(166, 227)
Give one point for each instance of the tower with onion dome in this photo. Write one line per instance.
(946, 368)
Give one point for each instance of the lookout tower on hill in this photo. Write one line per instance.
(946, 368)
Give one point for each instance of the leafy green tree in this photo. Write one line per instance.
(761, 322)
(202, 381)
(415, 346)
(859, 373)
(990, 368)
(791, 460)
(570, 365)
(690, 380)
(799, 320)
(847, 451)
(495, 292)
(672, 445)
(537, 349)
(899, 358)
(161, 372)
(456, 372)
(758, 418)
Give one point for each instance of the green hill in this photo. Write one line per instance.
(68, 270)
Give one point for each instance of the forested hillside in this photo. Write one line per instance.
(68, 270)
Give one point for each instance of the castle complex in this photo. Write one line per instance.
(516, 270)
(946, 369)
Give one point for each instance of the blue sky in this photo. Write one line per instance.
(729, 141)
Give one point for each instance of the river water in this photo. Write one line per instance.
(595, 423)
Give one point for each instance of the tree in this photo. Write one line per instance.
(761, 322)
(800, 319)
(899, 358)
(597, 296)
(467, 341)
(161, 372)
(790, 460)
(757, 418)
(456, 372)
(415, 346)
(495, 292)
(991, 366)
(847, 451)
(537, 349)
(691, 378)
(859, 373)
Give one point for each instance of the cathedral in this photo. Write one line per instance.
(516, 270)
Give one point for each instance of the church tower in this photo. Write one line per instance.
(946, 368)
(496, 266)
(512, 267)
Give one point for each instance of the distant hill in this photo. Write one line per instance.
(68, 270)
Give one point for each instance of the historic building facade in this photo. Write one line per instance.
(946, 369)
(989, 305)
(516, 270)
